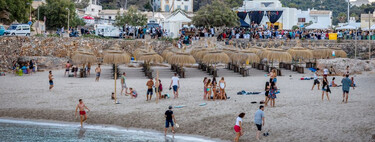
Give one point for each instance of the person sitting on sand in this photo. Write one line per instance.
(331, 71)
(132, 93)
(316, 81)
(259, 120)
(149, 85)
(81, 106)
(238, 127)
(325, 88)
(204, 88)
(222, 85)
(272, 94)
(333, 84)
(208, 86)
(113, 96)
(214, 84)
(267, 89)
(169, 119)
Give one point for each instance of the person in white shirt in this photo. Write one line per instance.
(175, 83)
(238, 127)
(325, 71)
(316, 80)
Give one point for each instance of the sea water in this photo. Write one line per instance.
(24, 130)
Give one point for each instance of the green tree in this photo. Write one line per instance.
(147, 6)
(56, 12)
(233, 3)
(216, 14)
(132, 17)
(355, 16)
(342, 17)
(12, 10)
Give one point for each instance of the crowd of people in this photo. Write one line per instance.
(29, 67)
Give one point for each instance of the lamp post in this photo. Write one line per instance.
(68, 19)
(348, 10)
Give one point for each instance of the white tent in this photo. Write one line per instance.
(347, 27)
(316, 26)
(175, 22)
(371, 28)
(159, 17)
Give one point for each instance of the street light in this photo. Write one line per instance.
(68, 18)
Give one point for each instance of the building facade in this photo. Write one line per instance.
(321, 17)
(367, 19)
(171, 5)
(93, 9)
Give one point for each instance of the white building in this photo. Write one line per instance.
(320, 17)
(93, 9)
(171, 5)
(283, 17)
(109, 15)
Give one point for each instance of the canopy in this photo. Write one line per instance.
(178, 17)
(159, 16)
(316, 26)
(347, 27)
(244, 24)
(88, 18)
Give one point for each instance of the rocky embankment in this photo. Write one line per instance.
(52, 52)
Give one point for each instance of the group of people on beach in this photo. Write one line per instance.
(29, 67)
(213, 89)
(346, 83)
(271, 89)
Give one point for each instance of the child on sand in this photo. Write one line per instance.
(267, 89)
(133, 93)
(238, 127)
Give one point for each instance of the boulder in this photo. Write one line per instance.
(44, 62)
(340, 64)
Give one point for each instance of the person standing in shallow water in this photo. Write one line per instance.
(81, 106)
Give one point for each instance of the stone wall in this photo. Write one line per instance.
(19, 48)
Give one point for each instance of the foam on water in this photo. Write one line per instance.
(95, 131)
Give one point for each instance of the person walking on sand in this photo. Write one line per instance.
(123, 84)
(67, 68)
(169, 119)
(259, 120)
(325, 88)
(149, 85)
(98, 70)
(50, 77)
(238, 126)
(316, 81)
(175, 83)
(81, 106)
(222, 85)
(346, 83)
(267, 89)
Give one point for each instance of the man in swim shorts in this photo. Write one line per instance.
(149, 85)
(98, 70)
(176, 85)
(81, 106)
(67, 67)
(50, 77)
(169, 120)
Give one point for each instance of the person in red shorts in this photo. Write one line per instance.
(238, 127)
(81, 106)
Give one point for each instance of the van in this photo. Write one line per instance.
(107, 31)
(18, 30)
(2, 30)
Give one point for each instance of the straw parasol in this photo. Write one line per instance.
(82, 57)
(300, 53)
(339, 52)
(166, 54)
(115, 56)
(181, 58)
(274, 54)
(322, 52)
(151, 57)
(251, 57)
(215, 57)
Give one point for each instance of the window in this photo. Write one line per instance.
(301, 19)
(178, 7)
(25, 27)
(186, 8)
(167, 8)
(18, 28)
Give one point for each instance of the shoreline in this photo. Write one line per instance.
(45, 122)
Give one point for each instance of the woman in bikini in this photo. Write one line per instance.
(213, 86)
(204, 88)
(222, 85)
(273, 76)
(325, 88)
(208, 87)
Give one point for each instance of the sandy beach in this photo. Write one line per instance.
(299, 115)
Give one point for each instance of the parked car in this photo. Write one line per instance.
(18, 30)
(2, 30)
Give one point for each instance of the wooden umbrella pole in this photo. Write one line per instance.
(115, 83)
(157, 87)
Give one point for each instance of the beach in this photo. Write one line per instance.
(299, 115)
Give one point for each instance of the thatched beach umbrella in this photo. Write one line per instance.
(299, 53)
(339, 52)
(166, 54)
(152, 57)
(251, 57)
(215, 57)
(322, 52)
(181, 58)
(82, 57)
(115, 56)
(274, 54)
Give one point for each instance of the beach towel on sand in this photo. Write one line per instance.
(243, 92)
